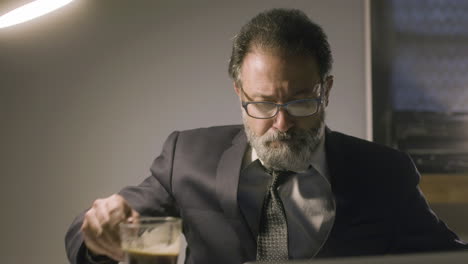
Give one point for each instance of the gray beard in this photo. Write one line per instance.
(294, 150)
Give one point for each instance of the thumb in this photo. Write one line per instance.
(134, 216)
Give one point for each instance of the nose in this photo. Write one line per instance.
(283, 121)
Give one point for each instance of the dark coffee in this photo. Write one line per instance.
(135, 257)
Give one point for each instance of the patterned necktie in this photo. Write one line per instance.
(272, 240)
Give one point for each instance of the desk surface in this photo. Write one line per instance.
(459, 257)
(445, 188)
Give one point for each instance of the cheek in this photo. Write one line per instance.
(259, 126)
(309, 122)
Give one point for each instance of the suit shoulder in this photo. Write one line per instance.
(359, 145)
(372, 163)
(218, 129)
(369, 155)
(209, 138)
(214, 131)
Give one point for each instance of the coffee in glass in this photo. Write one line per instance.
(151, 240)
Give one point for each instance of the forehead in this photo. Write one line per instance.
(274, 72)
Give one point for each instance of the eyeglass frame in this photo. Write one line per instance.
(278, 106)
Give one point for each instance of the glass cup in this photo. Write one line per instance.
(151, 240)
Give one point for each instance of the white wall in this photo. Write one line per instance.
(89, 93)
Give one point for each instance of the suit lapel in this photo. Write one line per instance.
(341, 184)
(227, 175)
(335, 161)
(253, 185)
(227, 183)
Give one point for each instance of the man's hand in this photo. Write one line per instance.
(101, 225)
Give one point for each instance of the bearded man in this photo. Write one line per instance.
(283, 185)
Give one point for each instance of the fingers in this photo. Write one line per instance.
(108, 224)
(98, 242)
(100, 227)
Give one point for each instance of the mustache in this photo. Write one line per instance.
(281, 135)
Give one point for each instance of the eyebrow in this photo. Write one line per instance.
(263, 97)
(253, 96)
(300, 92)
(271, 97)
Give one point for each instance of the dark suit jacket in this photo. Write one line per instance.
(379, 207)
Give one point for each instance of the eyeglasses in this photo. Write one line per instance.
(296, 108)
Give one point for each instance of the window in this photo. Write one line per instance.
(420, 81)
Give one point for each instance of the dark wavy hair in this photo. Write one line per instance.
(286, 30)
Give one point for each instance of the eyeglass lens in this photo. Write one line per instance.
(267, 109)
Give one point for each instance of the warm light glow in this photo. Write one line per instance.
(29, 11)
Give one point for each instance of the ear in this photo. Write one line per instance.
(328, 86)
(236, 88)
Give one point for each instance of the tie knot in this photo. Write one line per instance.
(278, 177)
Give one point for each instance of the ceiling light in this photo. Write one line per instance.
(29, 11)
